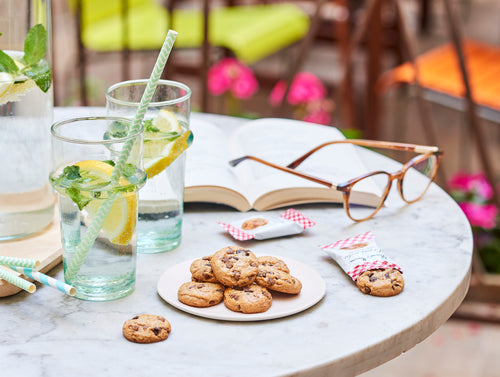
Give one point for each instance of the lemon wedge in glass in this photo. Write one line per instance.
(155, 165)
(166, 121)
(121, 220)
(164, 141)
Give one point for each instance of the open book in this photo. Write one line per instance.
(210, 178)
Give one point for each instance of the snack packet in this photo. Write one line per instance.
(263, 226)
(359, 254)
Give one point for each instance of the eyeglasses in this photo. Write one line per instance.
(413, 179)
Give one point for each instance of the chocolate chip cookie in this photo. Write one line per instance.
(268, 261)
(277, 280)
(200, 294)
(382, 282)
(249, 299)
(146, 328)
(234, 266)
(201, 270)
(254, 223)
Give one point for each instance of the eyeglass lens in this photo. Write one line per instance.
(418, 177)
(374, 183)
(415, 182)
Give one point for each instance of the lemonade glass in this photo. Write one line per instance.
(26, 112)
(166, 136)
(85, 153)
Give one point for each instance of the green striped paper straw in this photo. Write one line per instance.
(46, 280)
(19, 262)
(96, 225)
(11, 278)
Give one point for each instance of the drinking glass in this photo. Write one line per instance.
(26, 113)
(97, 174)
(166, 136)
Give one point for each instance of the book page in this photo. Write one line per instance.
(281, 141)
(207, 158)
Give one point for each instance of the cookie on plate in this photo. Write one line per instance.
(200, 294)
(277, 280)
(249, 299)
(383, 282)
(268, 261)
(234, 266)
(146, 328)
(251, 224)
(201, 270)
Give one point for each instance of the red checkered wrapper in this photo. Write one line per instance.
(265, 226)
(358, 254)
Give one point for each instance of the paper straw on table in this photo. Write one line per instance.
(19, 262)
(12, 278)
(98, 221)
(46, 280)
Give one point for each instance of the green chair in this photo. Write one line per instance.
(249, 32)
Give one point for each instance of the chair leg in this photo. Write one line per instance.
(82, 59)
(472, 117)
(125, 53)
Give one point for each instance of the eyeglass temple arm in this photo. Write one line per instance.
(236, 161)
(367, 143)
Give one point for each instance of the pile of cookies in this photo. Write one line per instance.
(240, 279)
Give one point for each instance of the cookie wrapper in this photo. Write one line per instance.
(358, 254)
(289, 223)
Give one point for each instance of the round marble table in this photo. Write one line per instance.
(346, 333)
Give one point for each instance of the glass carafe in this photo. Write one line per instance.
(26, 114)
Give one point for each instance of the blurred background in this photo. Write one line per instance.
(342, 63)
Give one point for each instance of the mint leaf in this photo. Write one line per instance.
(40, 74)
(7, 64)
(118, 130)
(72, 172)
(128, 170)
(35, 44)
(109, 162)
(148, 126)
(76, 196)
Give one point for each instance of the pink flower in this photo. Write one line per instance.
(277, 93)
(473, 183)
(305, 88)
(229, 74)
(482, 215)
(318, 116)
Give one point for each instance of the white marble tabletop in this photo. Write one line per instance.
(50, 334)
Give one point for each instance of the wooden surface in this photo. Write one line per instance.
(44, 246)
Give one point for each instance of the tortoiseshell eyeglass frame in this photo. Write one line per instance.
(423, 151)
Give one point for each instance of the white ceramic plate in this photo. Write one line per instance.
(313, 290)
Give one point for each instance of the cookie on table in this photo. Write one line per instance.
(277, 280)
(251, 224)
(146, 328)
(234, 266)
(268, 261)
(249, 299)
(383, 282)
(201, 270)
(200, 294)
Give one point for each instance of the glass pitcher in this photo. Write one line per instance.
(26, 114)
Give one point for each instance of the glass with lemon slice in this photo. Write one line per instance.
(166, 137)
(85, 153)
(26, 113)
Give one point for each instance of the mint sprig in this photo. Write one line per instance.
(35, 67)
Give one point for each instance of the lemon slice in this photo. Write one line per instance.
(154, 166)
(166, 121)
(121, 220)
(6, 82)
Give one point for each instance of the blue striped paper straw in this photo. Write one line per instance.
(19, 262)
(46, 280)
